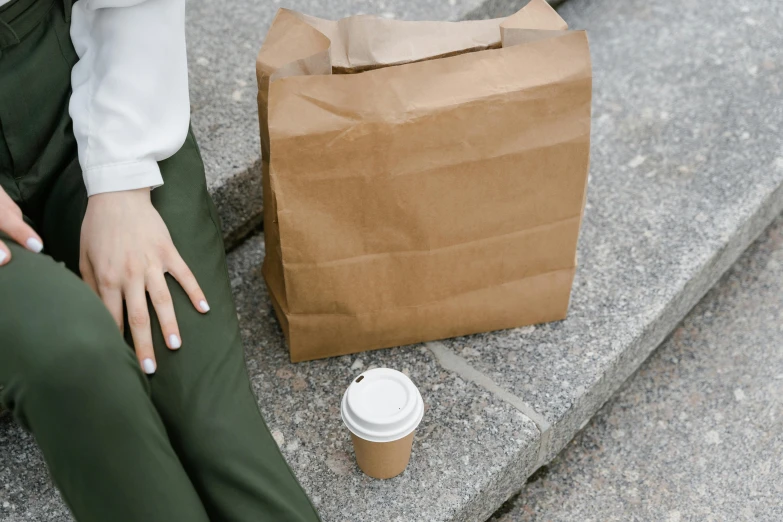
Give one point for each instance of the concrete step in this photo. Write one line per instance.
(695, 435)
(687, 169)
(223, 40)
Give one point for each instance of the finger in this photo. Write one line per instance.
(112, 299)
(87, 273)
(139, 323)
(12, 224)
(111, 296)
(5, 254)
(186, 279)
(164, 308)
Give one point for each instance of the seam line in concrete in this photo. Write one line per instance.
(457, 364)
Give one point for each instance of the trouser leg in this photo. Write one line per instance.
(202, 391)
(68, 376)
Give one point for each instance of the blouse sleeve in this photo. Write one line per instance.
(130, 104)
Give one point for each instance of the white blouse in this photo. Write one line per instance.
(130, 104)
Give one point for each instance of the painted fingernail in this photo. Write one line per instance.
(149, 366)
(34, 245)
(204, 306)
(174, 341)
(3, 256)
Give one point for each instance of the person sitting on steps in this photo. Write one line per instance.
(119, 342)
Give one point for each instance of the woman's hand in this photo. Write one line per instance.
(125, 251)
(11, 223)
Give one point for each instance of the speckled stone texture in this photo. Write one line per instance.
(686, 169)
(696, 435)
(223, 40)
(469, 445)
(470, 453)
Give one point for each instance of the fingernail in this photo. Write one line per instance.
(204, 306)
(3, 255)
(34, 245)
(174, 341)
(149, 366)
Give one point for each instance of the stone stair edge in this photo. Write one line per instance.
(506, 481)
(553, 438)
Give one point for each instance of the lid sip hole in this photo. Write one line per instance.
(360, 378)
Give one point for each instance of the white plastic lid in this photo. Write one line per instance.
(382, 405)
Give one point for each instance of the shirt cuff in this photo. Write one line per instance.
(122, 176)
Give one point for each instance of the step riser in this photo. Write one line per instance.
(239, 204)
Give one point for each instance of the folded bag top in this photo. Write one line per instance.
(422, 180)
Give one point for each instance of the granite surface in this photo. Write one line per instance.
(686, 169)
(696, 435)
(469, 445)
(223, 40)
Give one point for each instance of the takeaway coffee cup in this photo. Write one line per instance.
(382, 408)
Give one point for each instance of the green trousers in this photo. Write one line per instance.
(185, 445)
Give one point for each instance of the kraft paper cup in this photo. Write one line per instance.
(382, 408)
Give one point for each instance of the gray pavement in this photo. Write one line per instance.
(687, 168)
(698, 433)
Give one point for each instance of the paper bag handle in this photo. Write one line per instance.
(300, 44)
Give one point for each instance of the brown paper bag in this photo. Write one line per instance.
(422, 180)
